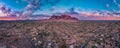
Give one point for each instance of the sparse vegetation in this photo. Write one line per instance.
(40, 34)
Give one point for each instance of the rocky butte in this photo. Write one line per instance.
(63, 17)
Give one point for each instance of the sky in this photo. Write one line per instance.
(47, 6)
(82, 4)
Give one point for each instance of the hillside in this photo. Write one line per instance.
(43, 34)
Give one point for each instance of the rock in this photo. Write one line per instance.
(65, 17)
(39, 42)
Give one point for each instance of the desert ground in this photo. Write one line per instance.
(59, 34)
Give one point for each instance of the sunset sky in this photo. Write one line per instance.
(41, 6)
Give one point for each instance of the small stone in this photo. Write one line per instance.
(34, 38)
(71, 46)
(39, 42)
(49, 44)
(96, 44)
(36, 44)
(102, 43)
(102, 35)
(101, 38)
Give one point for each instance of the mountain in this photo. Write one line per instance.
(63, 17)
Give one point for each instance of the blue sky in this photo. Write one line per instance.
(82, 4)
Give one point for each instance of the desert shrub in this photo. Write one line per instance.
(4, 34)
(93, 47)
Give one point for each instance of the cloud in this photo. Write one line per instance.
(4, 11)
(119, 7)
(114, 1)
(34, 5)
(107, 5)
